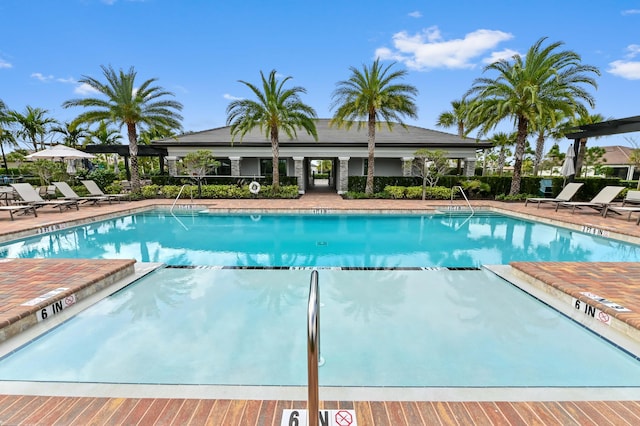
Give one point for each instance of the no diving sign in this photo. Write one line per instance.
(325, 418)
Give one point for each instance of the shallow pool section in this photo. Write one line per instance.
(378, 328)
(348, 241)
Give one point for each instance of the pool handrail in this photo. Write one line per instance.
(463, 194)
(313, 350)
(178, 197)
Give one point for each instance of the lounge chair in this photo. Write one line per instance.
(566, 194)
(19, 208)
(69, 194)
(31, 197)
(629, 205)
(94, 190)
(632, 197)
(600, 202)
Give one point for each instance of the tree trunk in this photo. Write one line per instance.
(133, 158)
(276, 159)
(523, 125)
(539, 152)
(371, 146)
(502, 158)
(582, 150)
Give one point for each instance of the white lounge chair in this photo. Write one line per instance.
(69, 194)
(600, 202)
(19, 208)
(566, 194)
(632, 197)
(94, 190)
(31, 197)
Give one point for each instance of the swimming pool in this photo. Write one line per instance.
(405, 304)
(379, 328)
(383, 241)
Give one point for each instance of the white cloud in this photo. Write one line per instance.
(231, 97)
(502, 54)
(633, 49)
(428, 49)
(5, 64)
(416, 14)
(42, 77)
(109, 2)
(69, 80)
(84, 89)
(625, 69)
(631, 12)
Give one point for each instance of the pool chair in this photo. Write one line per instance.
(69, 194)
(600, 202)
(566, 194)
(31, 197)
(94, 190)
(20, 209)
(630, 204)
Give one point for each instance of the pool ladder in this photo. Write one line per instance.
(463, 195)
(313, 350)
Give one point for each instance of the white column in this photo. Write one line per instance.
(172, 165)
(407, 165)
(343, 181)
(298, 166)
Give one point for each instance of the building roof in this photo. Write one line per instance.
(328, 136)
(617, 155)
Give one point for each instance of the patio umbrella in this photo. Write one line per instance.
(568, 168)
(71, 167)
(60, 152)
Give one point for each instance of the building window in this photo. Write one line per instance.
(266, 167)
(224, 169)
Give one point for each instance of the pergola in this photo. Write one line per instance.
(123, 151)
(604, 128)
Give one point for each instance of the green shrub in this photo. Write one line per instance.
(395, 192)
(150, 191)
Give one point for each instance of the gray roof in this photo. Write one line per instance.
(328, 136)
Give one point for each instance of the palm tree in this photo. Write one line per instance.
(103, 135)
(545, 81)
(503, 141)
(583, 119)
(33, 125)
(456, 117)
(545, 126)
(275, 109)
(6, 136)
(71, 134)
(373, 93)
(130, 106)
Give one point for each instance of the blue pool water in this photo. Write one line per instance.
(191, 238)
(378, 328)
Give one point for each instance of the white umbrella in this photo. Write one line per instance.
(71, 167)
(568, 168)
(60, 152)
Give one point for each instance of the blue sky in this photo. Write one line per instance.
(199, 49)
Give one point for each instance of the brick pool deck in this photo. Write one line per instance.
(30, 281)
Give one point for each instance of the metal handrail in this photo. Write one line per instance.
(313, 350)
(464, 195)
(178, 197)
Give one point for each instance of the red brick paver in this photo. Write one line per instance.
(614, 281)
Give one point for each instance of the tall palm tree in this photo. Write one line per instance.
(545, 126)
(71, 134)
(544, 81)
(581, 120)
(130, 106)
(457, 117)
(34, 125)
(6, 136)
(276, 109)
(373, 94)
(503, 141)
(103, 135)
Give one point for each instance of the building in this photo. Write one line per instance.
(251, 157)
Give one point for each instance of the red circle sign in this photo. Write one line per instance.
(343, 418)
